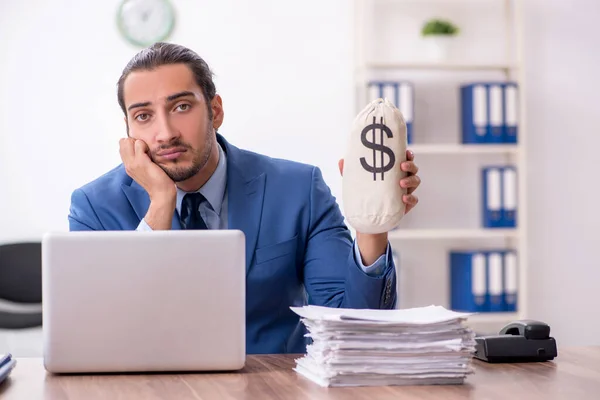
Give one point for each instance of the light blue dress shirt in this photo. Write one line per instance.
(214, 212)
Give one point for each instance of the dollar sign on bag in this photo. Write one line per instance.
(377, 147)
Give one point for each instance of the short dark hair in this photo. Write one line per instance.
(164, 54)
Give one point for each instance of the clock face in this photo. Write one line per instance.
(144, 22)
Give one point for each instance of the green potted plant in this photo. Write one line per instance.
(439, 34)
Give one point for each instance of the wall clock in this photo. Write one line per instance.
(144, 22)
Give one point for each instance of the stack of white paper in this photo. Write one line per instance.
(417, 346)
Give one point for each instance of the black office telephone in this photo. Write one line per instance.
(520, 341)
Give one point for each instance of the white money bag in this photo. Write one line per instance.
(371, 190)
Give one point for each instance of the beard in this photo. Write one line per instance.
(178, 172)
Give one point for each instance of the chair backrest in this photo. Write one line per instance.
(21, 272)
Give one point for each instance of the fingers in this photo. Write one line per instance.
(126, 149)
(140, 147)
(410, 167)
(130, 148)
(410, 182)
(341, 166)
(410, 200)
(134, 155)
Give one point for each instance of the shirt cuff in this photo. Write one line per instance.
(143, 226)
(378, 268)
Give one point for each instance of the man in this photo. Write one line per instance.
(179, 173)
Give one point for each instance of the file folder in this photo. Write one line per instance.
(495, 133)
(374, 91)
(510, 280)
(468, 281)
(496, 281)
(509, 197)
(474, 113)
(400, 94)
(492, 197)
(510, 112)
(406, 104)
(390, 92)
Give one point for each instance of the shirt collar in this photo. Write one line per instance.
(214, 189)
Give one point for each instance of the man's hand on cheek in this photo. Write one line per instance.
(139, 166)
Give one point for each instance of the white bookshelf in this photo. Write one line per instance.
(439, 234)
(455, 66)
(373, 60)
(493, 318)
(462, 149)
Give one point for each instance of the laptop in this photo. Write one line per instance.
(128, 301)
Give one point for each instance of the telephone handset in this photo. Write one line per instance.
(528, 328)
(519, 341)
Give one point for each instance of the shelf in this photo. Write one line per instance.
(440, 66)
(490, 233)
(444, 2)
(420, 149)
(493, 317)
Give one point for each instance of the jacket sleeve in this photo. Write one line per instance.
(332, 275)
(82, 216)
(381, 264)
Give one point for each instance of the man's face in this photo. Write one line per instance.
(167, 110)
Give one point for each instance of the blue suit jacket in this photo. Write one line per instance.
(298, 249)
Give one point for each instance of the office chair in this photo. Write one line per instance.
(20, 285)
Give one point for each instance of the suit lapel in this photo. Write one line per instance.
(140, 202)
(245, 196)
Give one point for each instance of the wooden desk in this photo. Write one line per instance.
(574, 375)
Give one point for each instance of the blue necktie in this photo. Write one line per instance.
(190, 211)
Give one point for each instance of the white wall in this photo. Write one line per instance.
(284, 72)
(563, 85)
